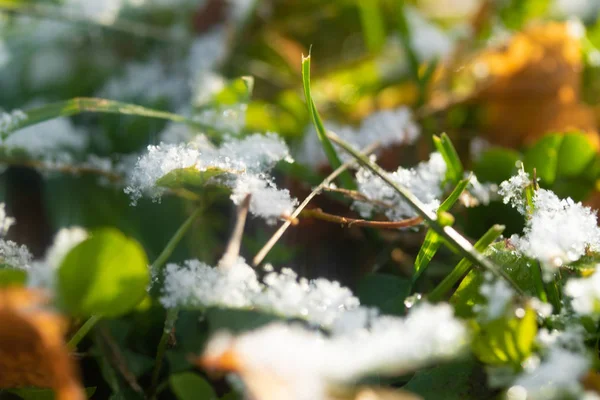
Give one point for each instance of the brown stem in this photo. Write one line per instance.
(353, 194)
(317, 213)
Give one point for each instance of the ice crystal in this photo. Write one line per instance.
(5, 221)
(388, 127)
(427, 40)
(9, 121)
(282, 361)
(498, 295)
(424, 181)
(246, 160)
(558, 231)
(15, 255)
(512, 190)
(585, 293)
(320, 302)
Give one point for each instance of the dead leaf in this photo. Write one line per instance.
(32, 351)
(532, 86)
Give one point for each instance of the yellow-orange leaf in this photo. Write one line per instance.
(32, 351)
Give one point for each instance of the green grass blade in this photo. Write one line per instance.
(455, 169)
(430, 246)
(413, 61)
(433, 241)
(448, 234)
(334, 161)
(372, 24)
(81, 105)
(463, 267)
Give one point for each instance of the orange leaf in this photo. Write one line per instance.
(32, 351)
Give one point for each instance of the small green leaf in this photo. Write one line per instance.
(575, 155)
(190, 178)
(334, 160)
(384, 291)
(12, 277)
(106, 275)
(543, 156)
(496, 165)
(84, 104)
(189, 386)
(235, 92)
(454, 172)
(515, 265)
(507, 340)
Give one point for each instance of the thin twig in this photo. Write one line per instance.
(170, 320)
(83, 331)
(356, 195)
(260, 256)
(447, 232)
(118, 361)
(233, 247)
(317, 213)
(62, 168)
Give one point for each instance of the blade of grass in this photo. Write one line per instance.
(334, 161)
(450, 235)
(455, 169)
(433, 241)
(81, 105)
(372, 24)
(464, 266)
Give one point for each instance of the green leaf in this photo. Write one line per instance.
(235, 92)
(514, 264)
(372, 24)
(543, 156)
(43, 394)
(433, 241)
(460, 380)
(454, 172)
(496, 165)
(430, 246)
(12, 277)
(85, 104)
(384, 291)
(106, 275)
(190, 178)
(189, 386)
(334, 160)
(575, 155)
(237, 320)
(505, 340)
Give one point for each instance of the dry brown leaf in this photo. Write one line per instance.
(532, 86)
(32, 351)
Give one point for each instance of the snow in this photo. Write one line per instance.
(424, 181)
(585, 293)
(282, 361)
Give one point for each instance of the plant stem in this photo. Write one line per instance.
(170, 247)
(448, 233)
(170, 320)
(317, 213)
(536, 273)
(260, 256)
(464, 266)
(554, 294)
(82, 331)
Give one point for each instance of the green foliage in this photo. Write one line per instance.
(189, 386)
(12, 277)
(384, 291)
(455, 170)
(506, 340)
(106, 275)
(190, 178)
(43, 394)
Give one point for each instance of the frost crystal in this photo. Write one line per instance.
(49, 140)
(290, 362)
(559, 231)
(498, 295)
(424, 181)
(9, 121)
(388, 127)
(585, 293)
(246, 160)
(198, 284)
(512, 190)
(14, 255)
(427, 40)
(5, 221)
(320, 302)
